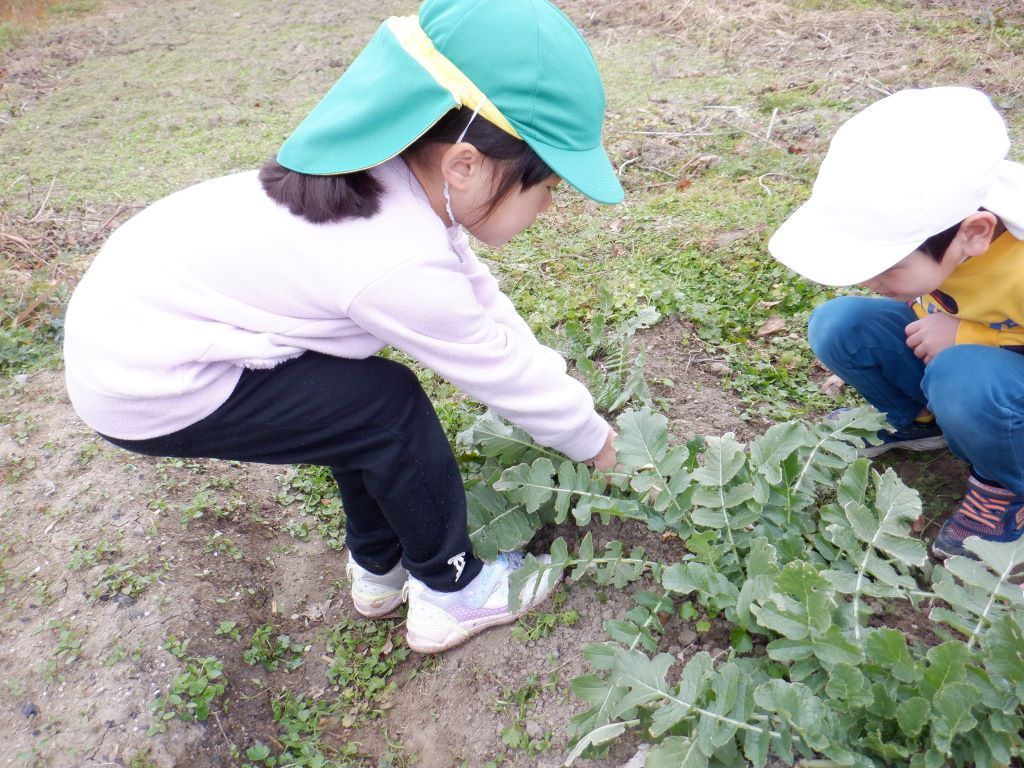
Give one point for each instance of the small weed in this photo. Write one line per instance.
(272, 652)
(217, 542)
(124, 579)
(523, 733)
(298, 529)
(87, 452)
(84, 556)
(191, 694)
(229, 629)
(141, 760)
(68, 650)
(120, 653)
(206, 502)
(302, 723)
(538, 625)
(317, 493)
(365, 657)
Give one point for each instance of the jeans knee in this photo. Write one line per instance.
(829, 325)
(955, 387)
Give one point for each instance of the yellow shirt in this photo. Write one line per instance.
(987, 294)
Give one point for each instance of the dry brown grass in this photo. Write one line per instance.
(819, 41)
(24, 11)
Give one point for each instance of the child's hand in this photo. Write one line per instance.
(605, 459)
(932, 334)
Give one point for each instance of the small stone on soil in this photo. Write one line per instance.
(29, 709)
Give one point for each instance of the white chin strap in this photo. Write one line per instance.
(447, 196)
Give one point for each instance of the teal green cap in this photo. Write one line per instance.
(525, 56)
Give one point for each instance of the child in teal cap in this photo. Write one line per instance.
(239, 318)
(917, 202)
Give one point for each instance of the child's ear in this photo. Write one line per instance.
(461, 164)
(977, 232)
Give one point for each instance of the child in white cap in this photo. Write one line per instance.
(916, 201)
(239, 318)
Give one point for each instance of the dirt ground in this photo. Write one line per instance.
(80, 666)
(66, 487)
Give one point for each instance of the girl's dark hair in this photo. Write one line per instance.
(321, 199)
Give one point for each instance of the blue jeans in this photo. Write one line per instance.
(976, 392)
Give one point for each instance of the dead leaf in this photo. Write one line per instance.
(314, 611)
(919, 525)
(774, 324)
(769, 304)
(684, 184)
(832, 386)
(616, 225)
(670, 536)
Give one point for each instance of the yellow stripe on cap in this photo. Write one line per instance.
(414, 40)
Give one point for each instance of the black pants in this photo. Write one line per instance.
(372, 424)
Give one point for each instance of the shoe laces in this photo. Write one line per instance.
(985, 506)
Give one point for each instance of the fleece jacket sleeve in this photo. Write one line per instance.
(430, 310)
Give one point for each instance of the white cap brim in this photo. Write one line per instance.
(811, 245)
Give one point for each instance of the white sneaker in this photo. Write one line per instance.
(438, 621)
(376, 596)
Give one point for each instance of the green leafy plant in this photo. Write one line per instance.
(217, 543)
(364, 656)
(796, 543)
(192, 693)
(273, 651)
(124, 579)
(317, 495)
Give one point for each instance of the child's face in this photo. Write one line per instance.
(915, 275)
(515, 213)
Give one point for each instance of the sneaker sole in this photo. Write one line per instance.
(378, 609)
(941, 554)
(924, 444)
(457, 636)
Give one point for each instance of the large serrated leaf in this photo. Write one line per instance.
(529, 484)
(770, 450)
(676, 752)
(642, 440)
(723, 460)
(495, 526)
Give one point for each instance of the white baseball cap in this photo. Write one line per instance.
(905, 168)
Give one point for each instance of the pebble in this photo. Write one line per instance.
(686, 636)
(29, 709)
(534, 729)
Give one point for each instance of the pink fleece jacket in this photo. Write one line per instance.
(218, 277)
